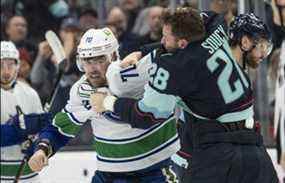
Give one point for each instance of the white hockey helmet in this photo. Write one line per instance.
(97, 42)
(9, 50)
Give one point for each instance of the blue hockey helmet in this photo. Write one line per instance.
(252, 26)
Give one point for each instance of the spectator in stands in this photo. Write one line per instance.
(226, 7)
(16, 31)
(272, 74)
(131, 8)
(69, 34)
(44, 71)
(88, 18)
(140, 27)
(113, 29)
(193, 3)
(153, 20)
(40, 15)
(276, 20)
(6, 12)
(129, 42)
(275, 87)
(117, 18)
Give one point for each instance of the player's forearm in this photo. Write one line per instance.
(10, 135)
(152, 108)
(53, 137)
(129, 112)
(146, 49)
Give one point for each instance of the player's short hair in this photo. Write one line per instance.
(186, 23)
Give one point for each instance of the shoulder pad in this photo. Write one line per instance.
(212, 20)
(84, 90)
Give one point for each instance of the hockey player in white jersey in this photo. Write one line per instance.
(124, 154)
(17, 97)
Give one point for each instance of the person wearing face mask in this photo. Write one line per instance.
(124, 154)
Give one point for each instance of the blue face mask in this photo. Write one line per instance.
(59, 8)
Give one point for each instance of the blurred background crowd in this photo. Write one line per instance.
(135, 23)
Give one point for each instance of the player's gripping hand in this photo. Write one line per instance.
(101, 102)
(131, 59)
(38, 161)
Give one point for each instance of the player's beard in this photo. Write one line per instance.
(252, 62)
(172, 48)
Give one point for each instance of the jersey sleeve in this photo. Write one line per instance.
(168, 76)
(37, 102)
(148, 48)
(76, 112)
(129, 81)
(171, 73)
(152, 108)
(67, 123)
(10, 135)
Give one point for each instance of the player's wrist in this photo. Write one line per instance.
(109, 102)
(45, 146)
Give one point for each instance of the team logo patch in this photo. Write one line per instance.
(107, 32)
(89, 39)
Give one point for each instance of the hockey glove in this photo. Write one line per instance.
(30, 124)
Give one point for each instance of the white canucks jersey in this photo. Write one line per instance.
(119, 147)
(130, 81)
(28, 100)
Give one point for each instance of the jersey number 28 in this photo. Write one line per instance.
(159, 80)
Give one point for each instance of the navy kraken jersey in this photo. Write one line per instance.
(203, 78)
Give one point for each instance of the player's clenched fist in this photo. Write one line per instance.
(96, 101)
(101, 102)
(38, 161)
(131, 59)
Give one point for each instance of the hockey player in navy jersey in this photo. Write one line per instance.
(203, 73)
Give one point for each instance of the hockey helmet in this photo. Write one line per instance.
(252, 26)
(97, 42)
(9, 50)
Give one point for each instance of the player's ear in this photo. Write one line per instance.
(182, 43)
(246, 43)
